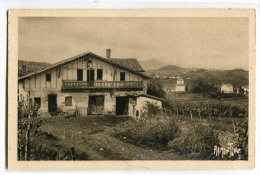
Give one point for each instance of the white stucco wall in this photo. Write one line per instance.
(23, 95)
(226, 89)
(180, 88)
(141, 103)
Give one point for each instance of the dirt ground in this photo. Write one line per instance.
(93, 139)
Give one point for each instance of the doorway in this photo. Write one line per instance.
(96, 105)
(122, 105)
(52, 103)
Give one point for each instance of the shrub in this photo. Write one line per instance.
(155, 88)
(200, 138)
(153, 133)
(203, 86)
(243, 139)
(152, 109)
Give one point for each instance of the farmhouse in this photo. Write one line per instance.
(226, 88)
(180, 86)
(89, 84)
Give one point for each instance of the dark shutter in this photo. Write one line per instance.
(48, 77)
(100, 74)
(80, 74)
(122, 76)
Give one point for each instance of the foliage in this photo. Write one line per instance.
(32, 66)
(155, 88)
(151, 110)
(29, 127)
(243, 138)
(200, 138)
(203, 86)
(209, 109)
(146, 132)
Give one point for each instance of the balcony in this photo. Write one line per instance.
(84, 85)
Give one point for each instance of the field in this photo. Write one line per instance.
(162, 136)
(196, 98)
(93, 139)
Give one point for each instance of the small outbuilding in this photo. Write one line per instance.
(138, 103)
(227, 88)
(180, 86)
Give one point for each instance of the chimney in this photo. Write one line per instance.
(108, 51)
(24, 69)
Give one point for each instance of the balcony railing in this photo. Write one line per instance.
(72, 84)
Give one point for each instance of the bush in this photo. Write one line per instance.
(200, 139)
(153, 133)
(203, 86)
(155, 88)
(243, 139)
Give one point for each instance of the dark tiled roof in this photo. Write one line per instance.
(81, 56)
(130, 63)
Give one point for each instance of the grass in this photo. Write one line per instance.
(94, 139)
(197, 99)
(123, 138)
(154, 133)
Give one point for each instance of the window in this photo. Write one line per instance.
(48, 77)
(100, 74)
(37, 102)
(80, 74)
(68, 101)
(122, 76)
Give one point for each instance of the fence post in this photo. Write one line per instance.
(190, 115)
(27, 135)
(27, 141)
(234, 127)
(72, 152)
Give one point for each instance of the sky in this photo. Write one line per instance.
(211, 43)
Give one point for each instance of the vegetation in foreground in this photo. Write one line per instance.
(158, 135)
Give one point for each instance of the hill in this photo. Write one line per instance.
(151, 64)
(236, 77)
(171, 68)
(32, 66)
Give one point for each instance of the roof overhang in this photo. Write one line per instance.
(61, 63)
(135, 94)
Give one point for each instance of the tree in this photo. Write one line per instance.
(155, 88)
(203, 86)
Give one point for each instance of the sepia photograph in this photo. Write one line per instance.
(133, 87)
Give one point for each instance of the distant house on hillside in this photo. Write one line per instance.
(180, 86)
(180, 81)
(227, 88)
(246, 89)
(237, 90)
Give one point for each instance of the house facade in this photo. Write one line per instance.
(89, 84)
